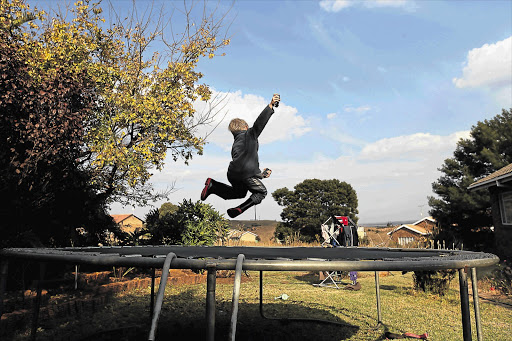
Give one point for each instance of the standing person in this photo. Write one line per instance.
(244, 173)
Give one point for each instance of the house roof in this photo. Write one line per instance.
(426, 218)
(414, 228)
(239, 234)
(120, 217)
(495, 179)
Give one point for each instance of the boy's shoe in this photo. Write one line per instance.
(234, 212)
(207, 189)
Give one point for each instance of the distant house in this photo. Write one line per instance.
(361, 233)
(428, 223)
(412, 233)
(128, 223)
(499, 185)
(243, 236)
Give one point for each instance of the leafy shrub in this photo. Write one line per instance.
(434, 282)
(190, 224)
(502, 278)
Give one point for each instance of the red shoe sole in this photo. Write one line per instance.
(204, 193)
(234, 212)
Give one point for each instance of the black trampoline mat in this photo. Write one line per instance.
(270, 253)
(191, 255)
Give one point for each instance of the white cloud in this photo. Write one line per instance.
(489, 65)
(415, 146)
(335, 5)
(285, 124)
(338, 5)
(386, 3)
(389, 186)
(503, 96)
(331, 116)
(359, 110)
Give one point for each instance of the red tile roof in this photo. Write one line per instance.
(120, 217)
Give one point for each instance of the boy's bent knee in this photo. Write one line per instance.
(258, 197)
(258, 190)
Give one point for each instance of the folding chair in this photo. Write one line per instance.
(330, 233)
(332, 280)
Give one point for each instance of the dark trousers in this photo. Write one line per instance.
(239, 189)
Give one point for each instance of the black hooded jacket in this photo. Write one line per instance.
(244, 152)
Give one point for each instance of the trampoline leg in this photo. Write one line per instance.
(152, 303)
(236, 295)
(210, 301)
(3, 281)
(474, 283)
(464, 305)
(160, 296)
(261, 294)
(76, 276)
(35, 313)
(377, 294)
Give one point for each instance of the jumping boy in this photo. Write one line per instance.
(244, 173)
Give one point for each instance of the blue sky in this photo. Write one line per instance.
(374, 93)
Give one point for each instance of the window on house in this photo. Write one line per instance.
(405, 240)
(506, 208)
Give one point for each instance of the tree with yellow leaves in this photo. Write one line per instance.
(143, 106)
(90, 109)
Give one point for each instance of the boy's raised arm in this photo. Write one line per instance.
(263, 118)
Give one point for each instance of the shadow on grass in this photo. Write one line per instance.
(183, 318)
(251, 326)
(387, 287)
(309, 278)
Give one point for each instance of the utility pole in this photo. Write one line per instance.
(421, 212)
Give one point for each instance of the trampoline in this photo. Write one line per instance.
(213, 258)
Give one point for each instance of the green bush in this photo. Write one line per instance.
(434, 282)
(191, 223)
(502, 278)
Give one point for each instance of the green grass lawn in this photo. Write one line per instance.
(183, 312)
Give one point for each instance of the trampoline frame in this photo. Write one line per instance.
(254, 259)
